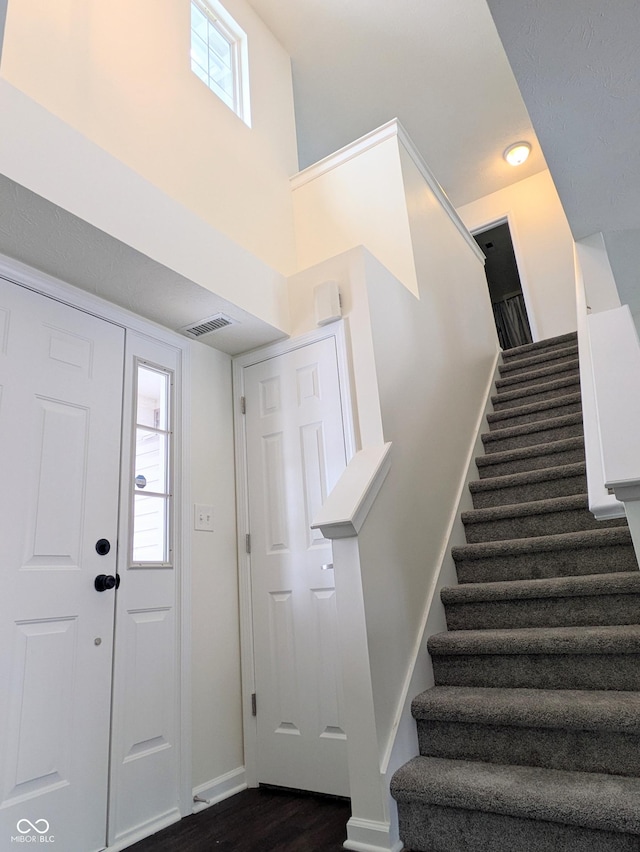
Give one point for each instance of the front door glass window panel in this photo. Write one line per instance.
(152, 452)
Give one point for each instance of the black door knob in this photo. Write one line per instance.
(103, 582)
(103, 546)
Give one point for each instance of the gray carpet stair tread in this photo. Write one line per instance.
(585, 710)
(540, 373)
(529, 428)
(540, 345)
(622, 583)
(618, 639)
(543, 449)
(597, 801)
(532, 507)
(568, 352)
(563, 541)
(511, 480)
(506, 414)
(509, 395)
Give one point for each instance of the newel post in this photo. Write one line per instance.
(341, 519)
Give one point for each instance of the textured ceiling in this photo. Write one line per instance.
(436, 65)
(578, 66)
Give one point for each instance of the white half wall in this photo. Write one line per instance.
(216, 698)
(543, 246)
(600, 290)
(356, 197)
(433, 359)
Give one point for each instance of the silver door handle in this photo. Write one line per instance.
(327, 567)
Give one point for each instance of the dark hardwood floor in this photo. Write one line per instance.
(262, 820)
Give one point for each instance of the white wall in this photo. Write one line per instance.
(433, 361)
(118, 72)
(544, 249)
(593, 268)
(623, 249)
(421, 367)
(56, 162)
(352, 198)
(421, 370)
(348, 269)
(217, 718)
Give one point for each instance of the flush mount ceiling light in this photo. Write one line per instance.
(516, 154)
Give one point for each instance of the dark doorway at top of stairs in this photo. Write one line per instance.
(505, 287)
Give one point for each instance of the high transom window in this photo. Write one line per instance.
(219, 55)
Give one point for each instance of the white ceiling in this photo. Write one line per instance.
(436, 65)
(578, 65)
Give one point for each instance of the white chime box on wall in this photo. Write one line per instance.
(326, 298)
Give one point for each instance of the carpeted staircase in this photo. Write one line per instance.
(530, 740)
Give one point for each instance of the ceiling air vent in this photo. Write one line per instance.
(207, 325)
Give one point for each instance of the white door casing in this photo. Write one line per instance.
(298, 441)
(60, 415)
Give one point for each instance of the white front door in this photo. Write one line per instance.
(295, 455)
(60, 420)
(145, 753)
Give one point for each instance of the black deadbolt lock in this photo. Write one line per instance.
(103, 546)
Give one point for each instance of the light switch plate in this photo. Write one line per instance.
(203, 517)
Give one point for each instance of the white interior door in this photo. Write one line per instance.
(295, 454)
(60, 418)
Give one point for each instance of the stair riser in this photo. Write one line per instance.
(531, 526)
(560, 563)
(590, 610)
(539, 671)
(613, 752)
(518, 397)
(502, 468)
(526, 492)
(535, 416)
(494, 443)
(527, 365)
(546, 374)
(425, 827)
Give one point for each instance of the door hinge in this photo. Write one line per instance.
(243, 405)
(247, 543)
(254, 705)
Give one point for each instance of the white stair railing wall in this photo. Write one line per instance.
(610, 381)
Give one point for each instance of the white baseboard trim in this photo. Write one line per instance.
(366, 835)
(220, 788)
(140, 832)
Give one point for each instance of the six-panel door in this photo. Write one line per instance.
(60, 419)
(295, 455)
